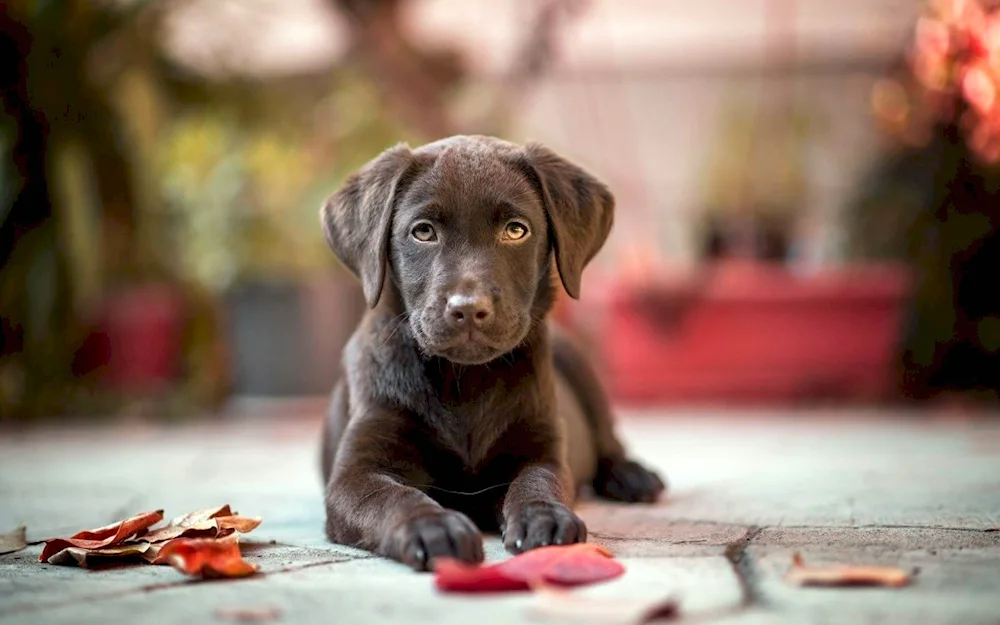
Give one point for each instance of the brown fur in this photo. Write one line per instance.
(445, 425)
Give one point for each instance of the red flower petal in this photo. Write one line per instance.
(572, 565)
(454, 576)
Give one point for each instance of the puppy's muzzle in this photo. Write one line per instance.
(469, 312)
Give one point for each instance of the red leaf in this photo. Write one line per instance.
(572, 565)
(107, 536)
(206, 557)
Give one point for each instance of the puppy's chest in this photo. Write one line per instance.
(471, 430)
(471, 416)
(448, 474)
(478, 493)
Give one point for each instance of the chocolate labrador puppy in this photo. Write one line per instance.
(460, 409)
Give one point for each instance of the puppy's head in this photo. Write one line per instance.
(465, 228)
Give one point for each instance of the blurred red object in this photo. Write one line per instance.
(562, 311)
(757, 333)
(143, 326)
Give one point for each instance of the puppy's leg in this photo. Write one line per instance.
(536, 509)
(617, 477)
(333, 428)
(369, 505)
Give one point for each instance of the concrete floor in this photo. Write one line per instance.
(748, 489)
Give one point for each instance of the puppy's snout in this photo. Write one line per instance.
(469, 311)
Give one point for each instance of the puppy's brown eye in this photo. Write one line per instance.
(515, 231)
(424, 232)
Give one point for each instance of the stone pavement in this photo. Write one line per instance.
(748, 489)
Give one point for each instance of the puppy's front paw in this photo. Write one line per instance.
(421, 538)
(542, 523)
(628, 481)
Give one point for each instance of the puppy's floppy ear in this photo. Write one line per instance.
(580, 209)
(357, 218)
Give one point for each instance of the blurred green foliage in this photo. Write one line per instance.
(757, 165)
(243, 183)
(756, 179)
(144, 171)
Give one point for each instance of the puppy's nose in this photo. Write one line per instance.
(469, 311)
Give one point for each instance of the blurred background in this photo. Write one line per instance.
(807, 190)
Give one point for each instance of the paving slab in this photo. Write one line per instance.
(748, 489)
(836, 468)
(642, 531)
(944, 591)
(351, 591)
(930, 541)
(956, 574)
(839, 610)
(28, 586)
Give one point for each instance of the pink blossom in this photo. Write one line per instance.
(979, 89)
(932, 37)
(931, 69)
(991, 38)
(955, 57)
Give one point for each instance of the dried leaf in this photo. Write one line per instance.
(845, 575)
(241, 524)
(75, 556)
(562, 604)
(13, 541)
(249, 615)
(133, 539)
(206, 557)
(206, 523)
(99, 538)
(570, 565)
(193, 518)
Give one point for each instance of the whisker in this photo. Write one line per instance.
(402, 318)
(475, 492)
(534, 323)
(374, 493)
